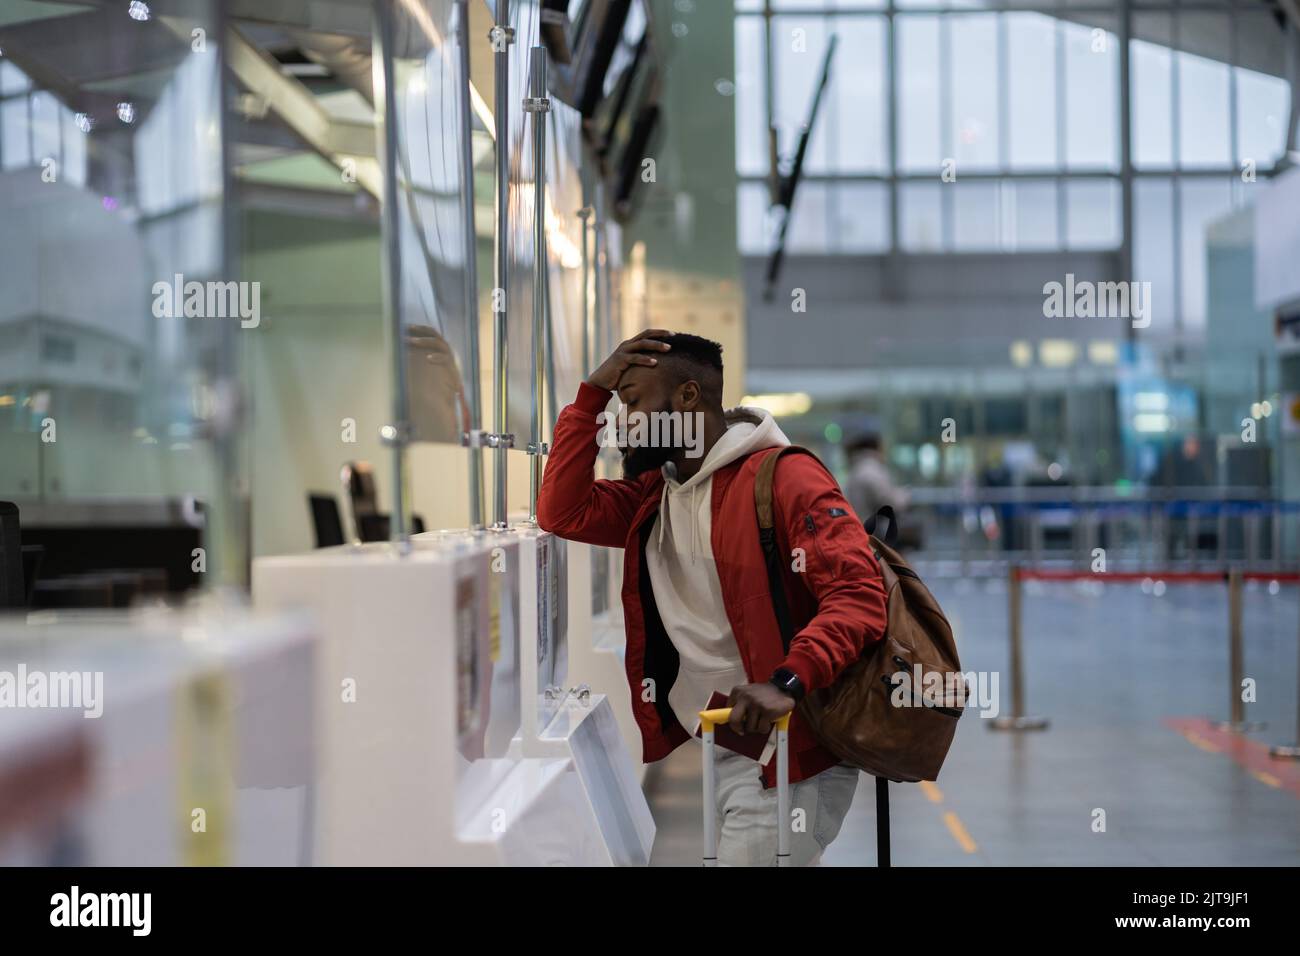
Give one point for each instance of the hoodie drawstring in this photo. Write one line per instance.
(696, 550)
(695, 523)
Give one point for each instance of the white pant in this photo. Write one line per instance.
(747, 813)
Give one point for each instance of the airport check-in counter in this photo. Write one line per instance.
(562, 712)
(418, 703)
(597, 643)
(183, 737)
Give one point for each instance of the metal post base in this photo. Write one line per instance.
(1018, 723)
(1240, 727)
(1285, 752)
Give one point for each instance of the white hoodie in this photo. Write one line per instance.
(684, 574)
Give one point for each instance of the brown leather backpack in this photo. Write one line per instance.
(884, 713)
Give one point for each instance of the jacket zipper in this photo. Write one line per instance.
(812, 530)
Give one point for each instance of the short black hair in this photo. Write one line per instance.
(698, 358)
(868, 441)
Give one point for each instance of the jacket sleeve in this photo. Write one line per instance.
(840, 571)
(571, 502)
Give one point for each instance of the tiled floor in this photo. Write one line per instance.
(1107, 665)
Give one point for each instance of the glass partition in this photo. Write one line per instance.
(117, 317)
(430, 220)
(430, 131)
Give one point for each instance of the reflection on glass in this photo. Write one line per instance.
(564, 241)
(110, 183)
(429, 220)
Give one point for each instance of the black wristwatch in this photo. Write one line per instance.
(787, 681)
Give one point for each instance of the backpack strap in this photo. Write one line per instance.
(872, 525)
(763, 482)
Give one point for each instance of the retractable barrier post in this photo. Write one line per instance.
(1016, 720)
(1236, 708)
(1236, 660)
(1235, 579)
(1292, 751)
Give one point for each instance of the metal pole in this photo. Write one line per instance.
(783, 791)
(537, 105)
(1235, 666)
(604, 322)
(227, 523)
(769, 102)
(1014, 609)
(1291, 751)
(502, 36)
(395, 434)
(552, 399)
(709, 856)
(1236, 659)
(588, 309)
(474, 438)
(604, 335)
(1016, 720)
(1126, 151)
(1293, 72)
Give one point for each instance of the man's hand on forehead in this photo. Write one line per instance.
(638, 351)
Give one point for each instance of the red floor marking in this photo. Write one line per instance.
(1248, 754)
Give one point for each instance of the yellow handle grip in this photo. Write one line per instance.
(710, 718)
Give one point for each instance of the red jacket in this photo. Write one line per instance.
(837, 602)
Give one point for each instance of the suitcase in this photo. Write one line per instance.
(710, 719)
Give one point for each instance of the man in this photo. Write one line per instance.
(696, 599)
(871, 485)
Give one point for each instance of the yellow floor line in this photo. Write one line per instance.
(1202, 743)
(1267, 778)
(959, 832)
(931, 791)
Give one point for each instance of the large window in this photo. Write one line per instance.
(1022, 110)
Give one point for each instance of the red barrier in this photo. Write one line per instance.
(1175, 577)
(1233, 578)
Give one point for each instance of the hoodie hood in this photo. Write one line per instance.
(748, 430)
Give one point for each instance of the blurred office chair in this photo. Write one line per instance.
(326, 520)
(13, 593)
(33, 554)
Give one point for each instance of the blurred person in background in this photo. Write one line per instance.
(871, 486)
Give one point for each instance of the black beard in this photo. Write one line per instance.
(638, 461)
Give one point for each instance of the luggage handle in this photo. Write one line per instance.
(709, 719)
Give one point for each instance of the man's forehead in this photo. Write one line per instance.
(641, 375)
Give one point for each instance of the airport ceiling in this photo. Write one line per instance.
(304, 66)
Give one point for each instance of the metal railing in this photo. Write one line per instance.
(981, 531)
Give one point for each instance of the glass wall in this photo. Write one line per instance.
(1021, 108)
(115, 319)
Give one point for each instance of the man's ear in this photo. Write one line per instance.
(687, 397)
